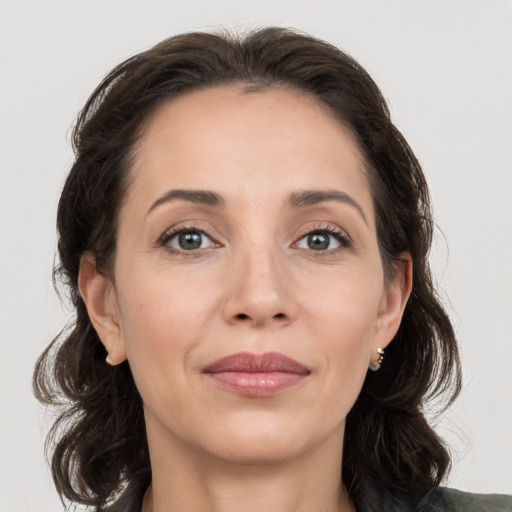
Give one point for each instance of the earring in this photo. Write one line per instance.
(376, 366)
(109, 361)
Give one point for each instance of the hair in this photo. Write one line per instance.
(98, 442)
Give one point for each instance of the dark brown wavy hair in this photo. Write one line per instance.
(98, 443)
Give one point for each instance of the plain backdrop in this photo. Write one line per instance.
(445, 67)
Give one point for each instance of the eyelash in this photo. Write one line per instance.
(340, 235)
(169, 235)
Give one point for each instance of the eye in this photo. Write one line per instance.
(323, 240)
(187, 240)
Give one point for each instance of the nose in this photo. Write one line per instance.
(259, 291)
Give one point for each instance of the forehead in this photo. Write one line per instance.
(233, 139)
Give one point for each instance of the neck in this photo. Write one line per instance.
(184, 480)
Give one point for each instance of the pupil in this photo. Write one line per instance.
(318, 241)
(190, 240)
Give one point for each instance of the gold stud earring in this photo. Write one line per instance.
(109, 361)
(376, 366)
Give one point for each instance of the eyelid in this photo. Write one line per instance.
(174, 231)
(343, 237)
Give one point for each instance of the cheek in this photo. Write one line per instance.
(163, 321)
(343, 320)
(346, 346)
(345, 308)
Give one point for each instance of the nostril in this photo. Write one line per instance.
(279, 315)
(242, 316)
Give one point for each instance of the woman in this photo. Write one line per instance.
(244, 233)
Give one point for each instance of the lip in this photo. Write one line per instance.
(256, 375)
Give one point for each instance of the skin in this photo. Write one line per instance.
(254, 285)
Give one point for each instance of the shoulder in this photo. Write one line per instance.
(443, 499)
(372, 496)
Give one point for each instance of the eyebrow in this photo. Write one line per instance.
(295, 199)
(205, 197)
(314, 197)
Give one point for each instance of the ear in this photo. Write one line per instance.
(99, 295)
(392, 304)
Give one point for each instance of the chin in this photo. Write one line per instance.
(266, 440)
(261, 450)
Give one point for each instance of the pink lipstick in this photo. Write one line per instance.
(255, 375)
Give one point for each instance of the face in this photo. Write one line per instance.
(248, 292)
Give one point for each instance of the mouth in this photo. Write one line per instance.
(255, 375)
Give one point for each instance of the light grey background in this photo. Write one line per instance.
(445, 67)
